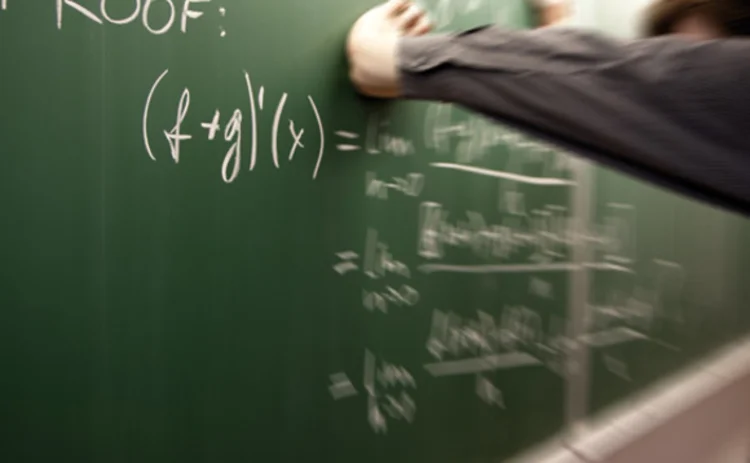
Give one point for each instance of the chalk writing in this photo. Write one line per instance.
(541, 288)
(380, 300)
(380, 140)
(543, 237)
(379, 261)
(489, 393)
(346, 264)
(517, 328)
(177, 135)
(472, 139)
(184, 10)
(617, 367)
(545, 234)
(389, 388)
(619, 227)
(411, 185)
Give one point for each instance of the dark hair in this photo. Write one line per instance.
(663, 15)
(731, 17)
(734, 16)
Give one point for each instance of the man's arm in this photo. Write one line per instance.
(372, 45)
(669, 110)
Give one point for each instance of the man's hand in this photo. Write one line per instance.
(552, 12)
(372, 46)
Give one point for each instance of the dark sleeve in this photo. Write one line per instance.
(668, 110)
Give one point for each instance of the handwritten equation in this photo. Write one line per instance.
(518, 338)
(522, 237)
(388, 387)
(459, 348)
(230, 129)
(376, 263)
(542, 237)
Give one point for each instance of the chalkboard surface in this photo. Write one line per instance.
(213, 250)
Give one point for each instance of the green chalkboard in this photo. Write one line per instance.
(679, 294)
(212, 249)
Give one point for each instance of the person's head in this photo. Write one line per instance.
(698, 19)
